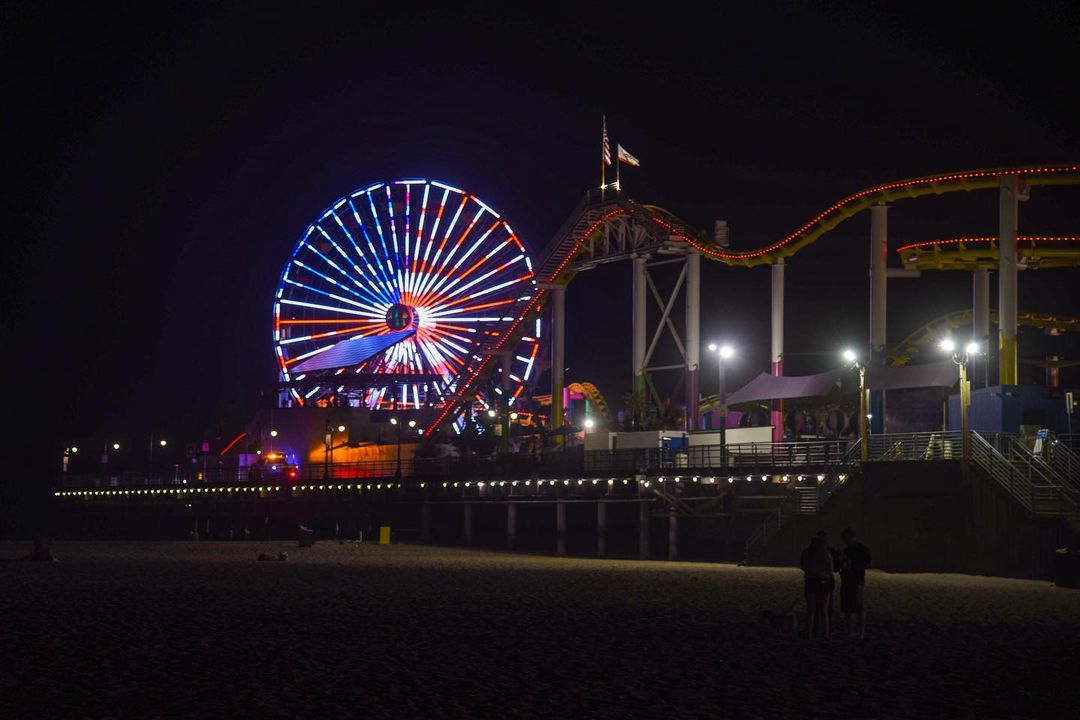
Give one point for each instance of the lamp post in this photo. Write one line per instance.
(150, 465)
(723, 353)
(864, 434)
(961, 359)
(397, 425)
(68, 452)
(105, 453)
(328, 445)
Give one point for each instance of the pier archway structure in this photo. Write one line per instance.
(609, 226)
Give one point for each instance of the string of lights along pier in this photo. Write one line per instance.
(396, 292)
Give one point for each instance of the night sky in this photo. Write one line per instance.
(161, 166)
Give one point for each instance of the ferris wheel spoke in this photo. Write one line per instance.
(317, 306)
(419, 237)
(468, 271)
(371, 311)
(372, 261)
(332, 281)
(434, 287)
(319, 336)
(342, 272)
(390, 271)
(424, 266)
(393, 235)
(447, 234)
(461, 240)
(485, 290)
(382, 293)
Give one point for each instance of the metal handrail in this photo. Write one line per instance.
(914, 446)
(1026, 481)
(1001, 471)
(1047, 472)
(1066, 461)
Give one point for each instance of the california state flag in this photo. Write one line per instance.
(627, 158)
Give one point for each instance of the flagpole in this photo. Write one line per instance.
(603, 163)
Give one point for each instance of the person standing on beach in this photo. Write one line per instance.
(853, 564)
(817, 567)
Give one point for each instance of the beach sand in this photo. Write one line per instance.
(204, 630)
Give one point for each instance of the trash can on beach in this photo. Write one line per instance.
(307, 537)
(1066, 568)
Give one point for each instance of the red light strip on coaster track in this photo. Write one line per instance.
(989, 240)
(517, 321)
(1060, 169)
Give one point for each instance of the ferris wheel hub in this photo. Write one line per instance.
(401, 317)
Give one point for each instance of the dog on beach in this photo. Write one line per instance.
(784, 623)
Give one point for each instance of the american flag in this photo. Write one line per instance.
(607, 145)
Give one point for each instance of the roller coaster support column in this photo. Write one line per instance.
(558, 356)
(693, 339)
(1007, 220)
(777, 352)
(980, 318)
(879, 247)
(639, 298)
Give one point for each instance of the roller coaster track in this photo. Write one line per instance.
(981, 253)
(590, 393)
(598, 208)
(850, 206)
(933, 331)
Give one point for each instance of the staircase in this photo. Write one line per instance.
(589, 214)
(803, 500)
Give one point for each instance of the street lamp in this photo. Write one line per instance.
(68, 452)
(864, 437)
(589, 423)
(961, 359)
(162, 442)
(397, 425)
(723, 353)
(328, 448)
(105, 453)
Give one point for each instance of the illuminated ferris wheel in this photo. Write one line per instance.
(395, 293)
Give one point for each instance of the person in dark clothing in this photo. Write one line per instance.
(854, 562)
(817, 567)
(836, 555)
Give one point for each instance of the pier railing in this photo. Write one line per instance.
(737, 458)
